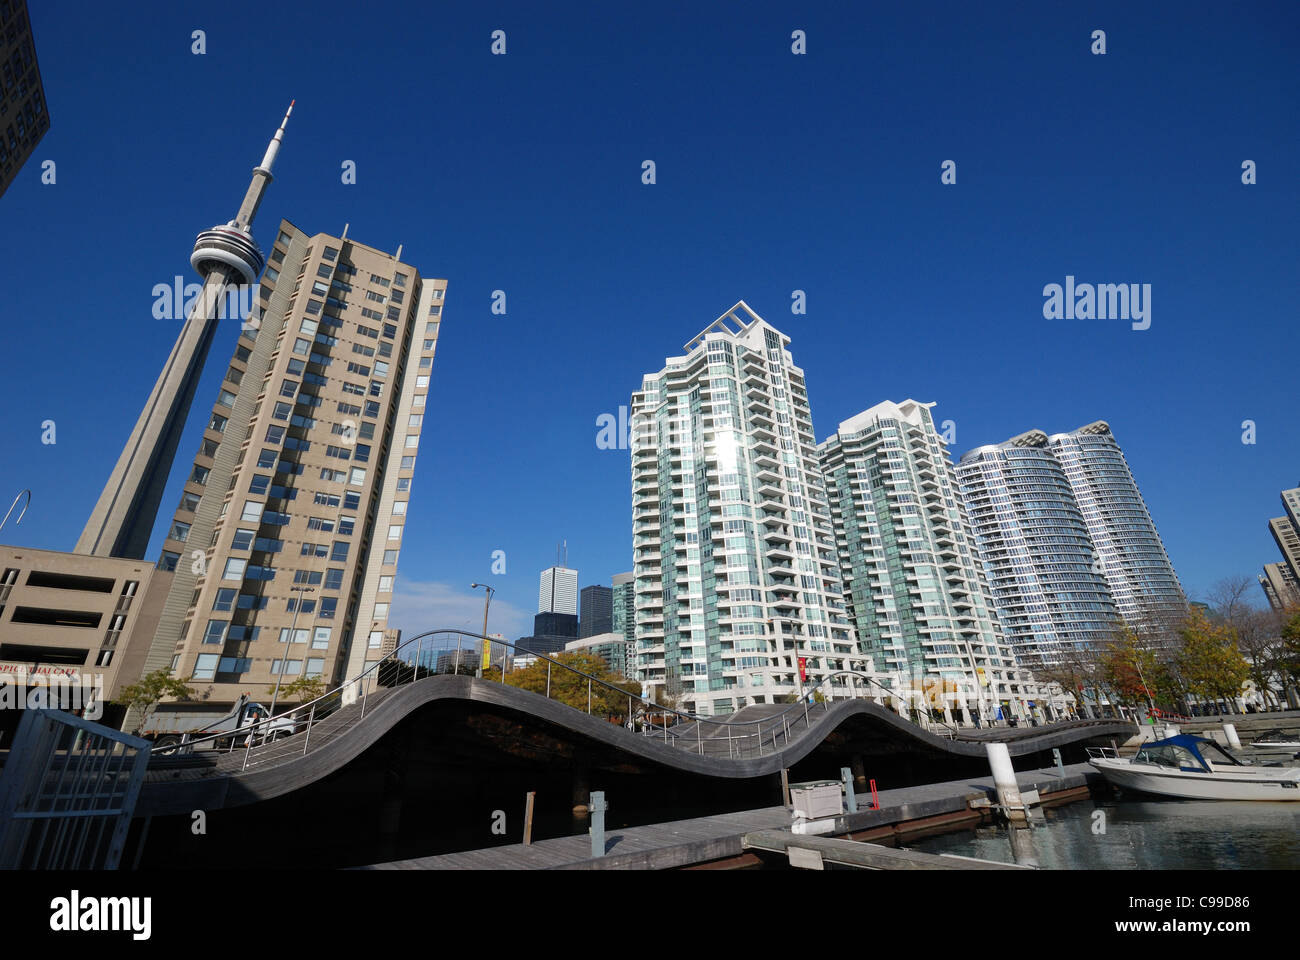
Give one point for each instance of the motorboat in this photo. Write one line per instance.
(1276, 740)
(1194, 768)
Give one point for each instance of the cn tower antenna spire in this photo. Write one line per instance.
(225, 256)
(261, 176)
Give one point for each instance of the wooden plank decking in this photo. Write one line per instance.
(687, 842)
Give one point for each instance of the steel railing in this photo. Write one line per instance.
(744, 738)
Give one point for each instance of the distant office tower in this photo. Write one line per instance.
(1280, 586)
(597, 611)
(1133, 558)
(286, 538)
(559, 591)
(551, 632)
(736, 573)
(1047, 585)
(23, 118)
(916, 591)
(623, 606)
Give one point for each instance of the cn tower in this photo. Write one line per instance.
(124, 516)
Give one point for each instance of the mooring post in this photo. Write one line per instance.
(785, 786)
(528, 817)
(1230, 732)
(1004, 780)
(1060, 764)
(850, 798)
(598, 807)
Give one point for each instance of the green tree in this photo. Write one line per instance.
(570, 688)
(1212, 666)
(147, 692)
(303, 688)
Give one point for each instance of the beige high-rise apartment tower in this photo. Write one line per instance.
(286, 538)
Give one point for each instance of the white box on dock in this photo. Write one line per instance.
(817, 799)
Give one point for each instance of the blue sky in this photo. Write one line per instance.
(775, 172)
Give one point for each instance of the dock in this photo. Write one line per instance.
(705, 841)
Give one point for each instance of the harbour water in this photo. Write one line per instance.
(1139, 835)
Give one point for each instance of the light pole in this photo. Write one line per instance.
(487, 644)
(293, 632)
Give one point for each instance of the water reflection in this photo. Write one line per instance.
(1156, 835)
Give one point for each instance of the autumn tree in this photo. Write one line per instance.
(1212, 666)
(1132, 669)
(571, 688)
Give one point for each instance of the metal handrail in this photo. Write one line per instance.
(22, 513)
(777, 725)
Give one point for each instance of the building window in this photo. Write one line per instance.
(234, 569)
(226, 398)
(321, 638)
(206, 666)
(216, 631)
(408, 463)
(399, 508)
(412, 441)
(395, 532)
(180, 531)
(252, 511)
(200, 475)
(225, 599)
(386, 584)
(315, 666)
(381, 611)
(390, 558)
(358, 477)
(167, 561)
(340, 551)
(334, 578)
(328, 606)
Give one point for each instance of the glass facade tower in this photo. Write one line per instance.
(1043, 569)
(736, 575)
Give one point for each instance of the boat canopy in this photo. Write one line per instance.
(1184, 752)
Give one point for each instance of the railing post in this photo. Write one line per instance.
(455, 667)
(310, 720)
(730, 742)
(589, 696)
(699, 735)
(248, 745)
(548, 679)
(364, 693)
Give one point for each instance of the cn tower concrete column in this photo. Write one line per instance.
(124, 516)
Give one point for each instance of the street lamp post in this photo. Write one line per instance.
(487, 644)
(293, 632)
